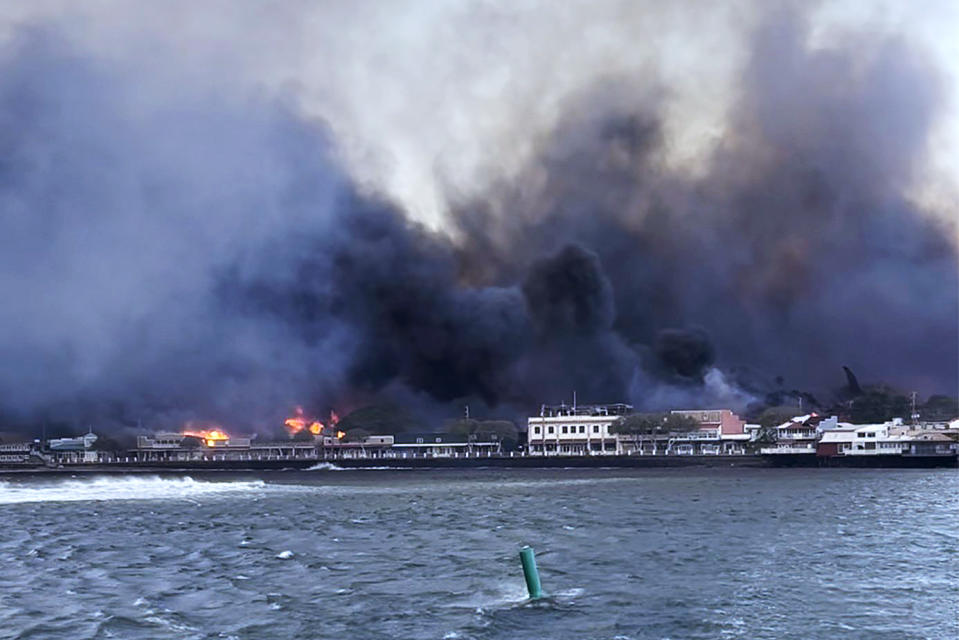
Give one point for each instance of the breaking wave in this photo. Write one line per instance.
(325, 466)
(329, 466)
(125, 488)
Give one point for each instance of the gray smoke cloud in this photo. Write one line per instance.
(119, 218)
(795, 252)
(180, 249)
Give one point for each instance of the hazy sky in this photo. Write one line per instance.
(434, 97)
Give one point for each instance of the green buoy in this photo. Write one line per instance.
(528, 559)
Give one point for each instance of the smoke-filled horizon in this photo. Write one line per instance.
(181, 246)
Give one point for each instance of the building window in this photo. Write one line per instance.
(535, 429)
(565, 430)
(595, 428)
(551, 429)
(582, 428)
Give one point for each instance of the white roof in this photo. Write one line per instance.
(799, 422)
(870, 428)
(838, 435)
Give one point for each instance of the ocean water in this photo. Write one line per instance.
(671, 553)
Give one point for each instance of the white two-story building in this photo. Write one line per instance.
(574, 430)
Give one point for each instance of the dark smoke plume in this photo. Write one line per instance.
(568, 294)
(797, 250)
(200, 254)
(684, 353)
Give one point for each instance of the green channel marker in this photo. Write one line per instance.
(528, 558)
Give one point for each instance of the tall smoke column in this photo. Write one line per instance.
(180, 242)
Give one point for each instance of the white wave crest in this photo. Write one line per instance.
(329, 466)
(325, 466)
(120, 488)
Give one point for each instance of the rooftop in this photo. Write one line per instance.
(615, 409)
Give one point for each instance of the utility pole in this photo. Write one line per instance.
(915, 412)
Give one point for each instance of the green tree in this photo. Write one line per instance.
(379, 419)
(775, 416)
(503, 431)
(462, 426)
(878, 404)
(639, 423)
(939, 408)
(677, 422)
(649, 423)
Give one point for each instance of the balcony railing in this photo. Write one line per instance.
(789, 449)
(706, 434)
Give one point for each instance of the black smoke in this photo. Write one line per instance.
(569, 295)
(687, 354)
(201, 255)
(795, 251)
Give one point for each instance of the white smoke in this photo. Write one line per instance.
(432, 100)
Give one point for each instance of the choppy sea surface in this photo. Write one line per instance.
(671, 553)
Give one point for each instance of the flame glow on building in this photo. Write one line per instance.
(209, 436)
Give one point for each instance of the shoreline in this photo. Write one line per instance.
(321, 464)
(494, 462)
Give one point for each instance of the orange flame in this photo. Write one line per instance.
(297, 423)
(209, 436)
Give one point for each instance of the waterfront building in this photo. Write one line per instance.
(586, 430)
(368, 447)
(719, 422)
(888, 438)
(18, 453)
(171, 447)
(575, 430)
(929, 443)
(887, 444)
(443, 445)
(720, 432)
(181, 447)
(752, 430)
(800, 435)
(82, 443)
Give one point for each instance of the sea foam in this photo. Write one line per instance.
(120, 488)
